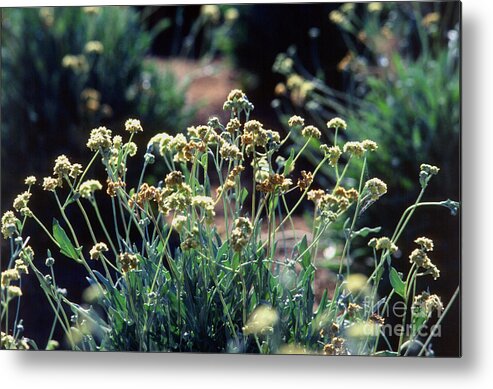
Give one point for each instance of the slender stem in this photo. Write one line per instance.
(439, 321)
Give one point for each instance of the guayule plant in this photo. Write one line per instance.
(184, 267)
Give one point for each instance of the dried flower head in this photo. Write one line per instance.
(353, 308)
(333, 153)
(113, 186)
(315, 195)
(128, 262)
(21, 266)
(235, 95)
(230, 152)
(376, 319)
(27, 254)
(97, 250)
(205, 203)
(305, 180)
(420, 258)
(174, 178)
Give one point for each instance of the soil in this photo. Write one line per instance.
(208, 84)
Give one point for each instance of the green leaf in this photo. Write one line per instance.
(397, 283)
(386, 353)
(66, 246)
(243, 195)
(302, 248)
(288, 168)
(366, 230)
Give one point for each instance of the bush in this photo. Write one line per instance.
(65, 69)
(401, 86)
(167, 274)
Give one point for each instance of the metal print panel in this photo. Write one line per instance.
(264, 179)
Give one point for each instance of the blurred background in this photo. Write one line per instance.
(390, 69)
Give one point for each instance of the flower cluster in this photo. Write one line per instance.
(206, 204)
(333, 153)
(420, 257)
(99, 138)
(97, 250)
(296, 122)
(256, 136)
(383, 243)
(8, 342)
(272, 182)
(337, 123)
(311, 132)
(333, 204)
(305, 180)
(241, 233)
(426, 303)
(229, 183)
(176, 196)
(87, 188)
(376, 188)
(237, 101)
(9, 224)
(128, 262)
(335, 347)
(146, 193)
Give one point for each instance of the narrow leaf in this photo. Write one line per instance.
(66, 246)
(397, 283)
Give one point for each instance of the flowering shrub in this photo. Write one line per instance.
(184, 267)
